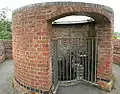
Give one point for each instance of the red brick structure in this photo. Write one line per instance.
(32, 26)
(5, 50)
(116, 53)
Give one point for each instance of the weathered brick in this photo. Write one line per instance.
(32, 33)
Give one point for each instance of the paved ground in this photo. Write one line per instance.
(6, 70)
(84, 88)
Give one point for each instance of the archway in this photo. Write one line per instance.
(74, 50)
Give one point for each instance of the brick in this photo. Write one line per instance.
(36, 45)
(42, 41)
(45, 53)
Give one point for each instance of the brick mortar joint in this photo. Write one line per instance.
(25, 88)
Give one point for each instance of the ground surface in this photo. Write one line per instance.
(6, 71)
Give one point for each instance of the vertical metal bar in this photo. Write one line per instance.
(88, 60)
(63, 66)
(66, 66)
(60, 68)
(82, 63)
(73, 59)
(70, 58)
(55, 63)
(60, 63)
(67, 60)
(62, 40)
(85, 59)
(77, 59)
(92, 61)
(57, 58)
(79, 45)
(95, 57)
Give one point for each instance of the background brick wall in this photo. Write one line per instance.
(2, 52)
(116, 54)
(8, 48)
(5, 50)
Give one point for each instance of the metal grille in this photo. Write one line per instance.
(74, 59)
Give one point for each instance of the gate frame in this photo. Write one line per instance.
(74, 81)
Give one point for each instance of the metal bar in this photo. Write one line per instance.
(95, 58)
(92, 63)
(91, 82)
(61, 69)
(78, 60)
(63, 66)
(55, 64)
(82, 63)
(70, 58)
(73, 59)
(85, 59)
(56, 59)
(60, 63)
(88, 60)
(58, 70)
(66, 65)
(80, 57)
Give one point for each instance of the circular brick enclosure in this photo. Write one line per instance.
(32, 27)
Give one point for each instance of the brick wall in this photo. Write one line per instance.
(116, 54)
(5, 50)
(8, 48)
(32, 26)
(2, 52)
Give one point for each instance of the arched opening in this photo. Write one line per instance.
(74, 50)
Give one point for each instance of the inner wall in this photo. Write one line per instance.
(73, 30)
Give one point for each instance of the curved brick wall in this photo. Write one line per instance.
(32, 27)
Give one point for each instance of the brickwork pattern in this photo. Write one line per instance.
(8, 48)
(32, 26)
(116, 54)
(2, 52)
(5, 50)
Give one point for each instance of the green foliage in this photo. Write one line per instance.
(116, 35)
(5, 25)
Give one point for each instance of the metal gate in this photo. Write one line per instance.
(74, 59)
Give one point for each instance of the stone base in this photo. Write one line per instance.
(107, 86)
(18, 89)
